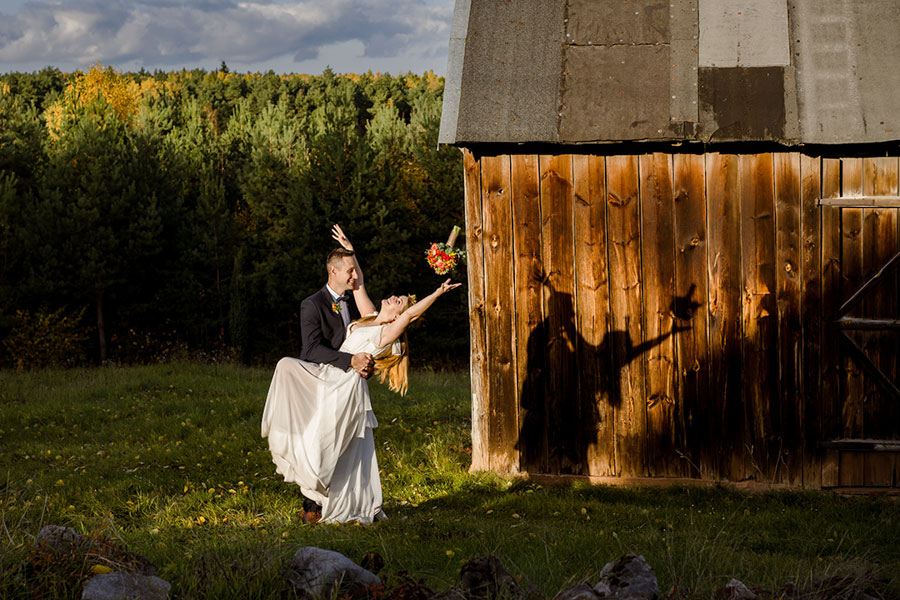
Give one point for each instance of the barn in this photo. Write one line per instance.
(683, 235)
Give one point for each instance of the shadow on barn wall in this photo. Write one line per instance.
(557, 414)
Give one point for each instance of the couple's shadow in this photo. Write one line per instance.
(568, 380)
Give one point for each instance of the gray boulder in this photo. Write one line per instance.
(317, 573)
(628, 578)
(125, 586)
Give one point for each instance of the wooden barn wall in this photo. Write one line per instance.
(669, 315)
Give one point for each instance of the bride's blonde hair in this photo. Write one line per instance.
(392, 367)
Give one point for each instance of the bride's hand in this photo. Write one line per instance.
(338, 235)
(447, 286)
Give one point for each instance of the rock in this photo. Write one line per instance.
(486, 577)
(125, 586)
(59, 539)
(318, 573)
(628, 578)
(65, 540)
(735, 590)
(582, 591)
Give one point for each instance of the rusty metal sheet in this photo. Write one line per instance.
(608, 23)
(742, 103)
(615, 93)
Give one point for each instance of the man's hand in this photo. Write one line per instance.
(363, 363)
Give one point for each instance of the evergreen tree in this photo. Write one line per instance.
(199, 204)
(98, 214)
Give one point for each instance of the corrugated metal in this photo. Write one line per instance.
(583, 71)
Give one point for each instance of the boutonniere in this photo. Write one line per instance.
(336, 308)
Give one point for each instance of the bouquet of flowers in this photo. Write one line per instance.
(443, 258)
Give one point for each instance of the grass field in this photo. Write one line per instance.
(169, 460)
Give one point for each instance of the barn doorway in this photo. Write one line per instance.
(861, 340)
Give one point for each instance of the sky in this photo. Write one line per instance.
(286, 36)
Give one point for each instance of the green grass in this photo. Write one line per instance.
(168, 459)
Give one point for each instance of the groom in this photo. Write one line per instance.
(324, 317)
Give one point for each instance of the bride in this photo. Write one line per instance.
(319, 419)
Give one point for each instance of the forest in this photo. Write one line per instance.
(151, 216)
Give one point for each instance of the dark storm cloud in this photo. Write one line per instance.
(171, 32)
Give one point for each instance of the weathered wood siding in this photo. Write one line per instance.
(669, 315)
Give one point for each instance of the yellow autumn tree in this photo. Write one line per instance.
(97, 91)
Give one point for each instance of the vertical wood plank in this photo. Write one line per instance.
(880, 243)
(811, 292)
(832, 377)
(725, 386)
(475, 274)
(831, 466)
(889, 236)
(499, 296)
(658, 252)
(889, 233)
(760, 353)
(691, 299)
(531, 345)
(894, 414)
(592, 300)
(627, 376)
(565, 455)
(852, 463)
(789, 463)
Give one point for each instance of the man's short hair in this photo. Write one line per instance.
(336, 256)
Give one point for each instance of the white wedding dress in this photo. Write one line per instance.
(319, 422)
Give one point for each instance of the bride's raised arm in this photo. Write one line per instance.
(394, 329)
(363, 302)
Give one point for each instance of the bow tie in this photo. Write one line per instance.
(345, 297)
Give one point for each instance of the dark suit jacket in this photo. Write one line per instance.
(322, 330)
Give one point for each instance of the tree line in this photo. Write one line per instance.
(144, 213)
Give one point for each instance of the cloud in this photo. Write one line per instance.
(174, 33)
